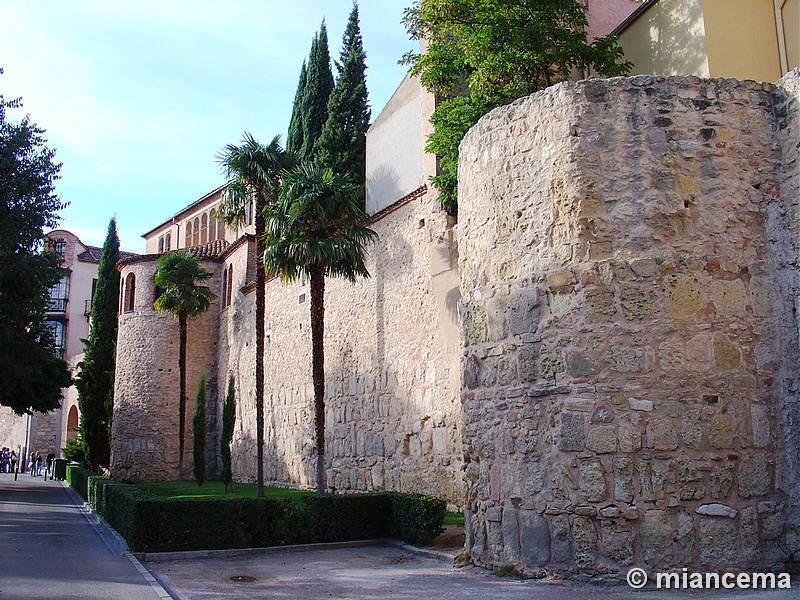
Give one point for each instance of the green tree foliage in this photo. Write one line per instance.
(317, 90)
(317, 229)
(179, 275)
(343, 143)
(253, 171)
(199, 432)
(31, 375)
(226, 437)
(485, 53)
(294, 137)
(95, 380)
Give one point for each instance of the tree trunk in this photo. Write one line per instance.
(318, 367)
(261, 281)
(182, 325)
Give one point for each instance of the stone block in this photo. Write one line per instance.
(592, 480)
(670, 355)
(535, 539)
(651, 477)
(661, 433)
(644, 267)
(685, 539)
(727, 355)
(691, 480)
(602, 439)
(622, 468)
(580, 365)
(511, 537)
(523, 313)
(617, 541)
(584, 539)
(716, 510)
(729, 297)
(474, 324)
(691, 429)
(719, 543)
(721, 481)
(754, 478)
(561, 540)
(496, 323)
(749, 542)
(528, 362)
(641, 405)
(698, 353)
(558, 281)
(722, 430)
(759, 417)
(656, 536)
(599, 305)
(683, 296)
(638, 303)
(572, 436)
(630, 434)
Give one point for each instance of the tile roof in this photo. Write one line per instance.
(92, 254)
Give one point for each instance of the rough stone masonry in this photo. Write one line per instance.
(628, 262)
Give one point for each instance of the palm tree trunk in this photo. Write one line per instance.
(261, 281)
(182, 326)
(318, 367)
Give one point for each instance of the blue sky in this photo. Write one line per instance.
(138, 98)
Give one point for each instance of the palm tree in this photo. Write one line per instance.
(253, 171)
(316, 229)
(178, 276)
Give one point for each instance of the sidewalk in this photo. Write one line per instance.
(50, 550)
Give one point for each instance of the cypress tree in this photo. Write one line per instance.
(228, 420)
(294, 137)
(342, 146)
(95, 380)
(199, 432)
(314, 103)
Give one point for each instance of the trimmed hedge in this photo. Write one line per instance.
(153, 524)
(78, 478)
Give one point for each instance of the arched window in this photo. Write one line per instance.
(230, 285)
(249, 213)
(204, 229)
(121, 295)
(72, 423)
(224, 294)
(160, 245)
(130, 292)
(212, 228)
(168, 243)
(196, 233)
(188, 233)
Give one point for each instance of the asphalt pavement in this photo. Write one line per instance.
(52, 546)
(49, 549)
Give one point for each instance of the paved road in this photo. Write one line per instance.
(48, 549)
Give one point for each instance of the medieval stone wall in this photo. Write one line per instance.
(145, 425)
(630, 351)
(392, 368)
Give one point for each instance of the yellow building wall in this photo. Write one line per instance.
(741, 39)
(789, 11)
(667, 39)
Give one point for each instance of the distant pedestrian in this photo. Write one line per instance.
(14, 460)
(38, 464)
(6, 465)
(32, 465)
(51, 456)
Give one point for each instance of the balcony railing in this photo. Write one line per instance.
(58, 305)
(87, 308)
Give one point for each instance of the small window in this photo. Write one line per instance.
(204, 229)
(230, 285)
(130, 292)
(60, 248)
(161, 245)
(188, 233)
(224, 294)
(168, 243)
(196, 232)
(59, 336)
(301, 299)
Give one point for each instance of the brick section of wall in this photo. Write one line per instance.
(625, 353)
